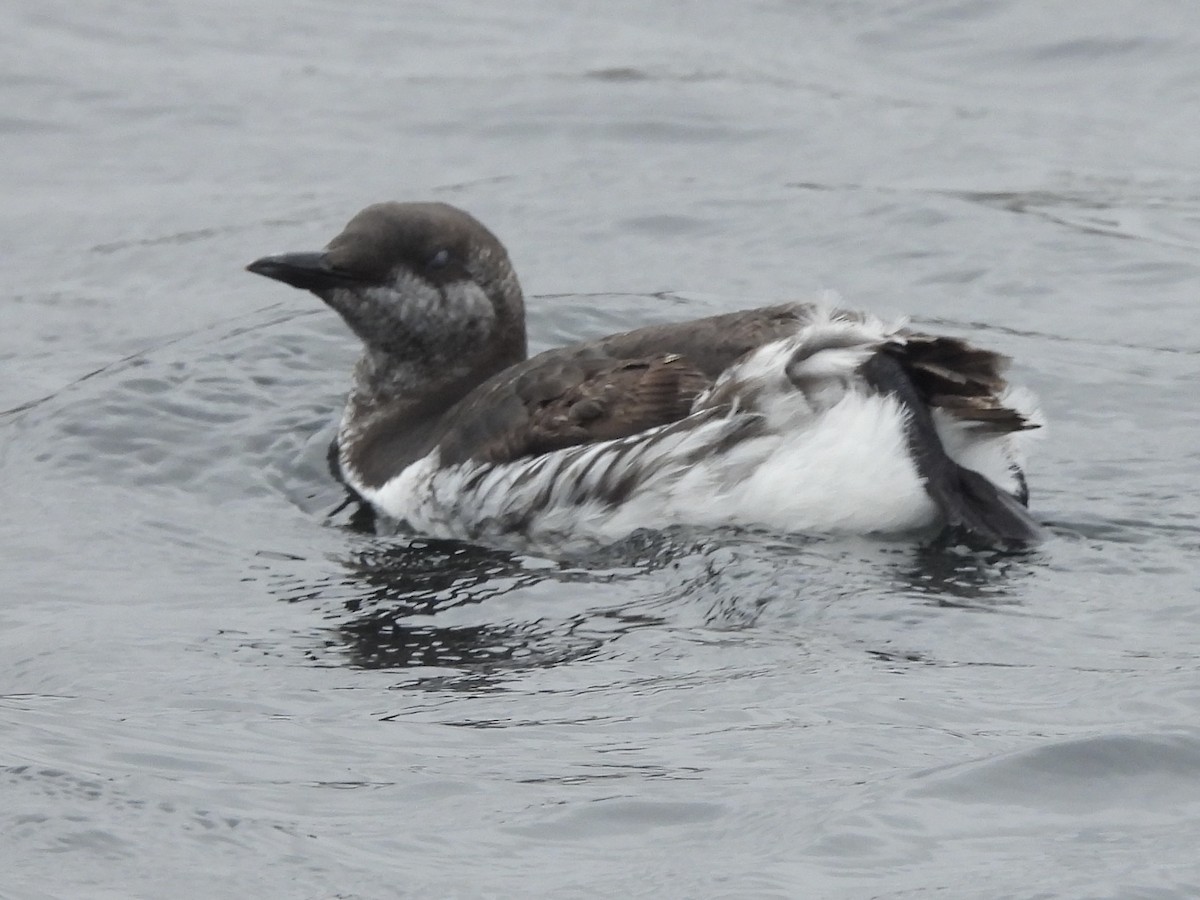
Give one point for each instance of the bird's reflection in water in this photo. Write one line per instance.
(949, 574)
(421, 602)
(401, 588)
(405, 602)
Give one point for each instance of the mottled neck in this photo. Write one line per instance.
(394, 411)
(382, 382)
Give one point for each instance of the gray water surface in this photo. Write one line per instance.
(212, 684)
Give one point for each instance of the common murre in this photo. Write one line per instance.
(798, 417)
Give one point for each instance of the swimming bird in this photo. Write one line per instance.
(799, 417)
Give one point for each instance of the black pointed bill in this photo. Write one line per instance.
(308, 271)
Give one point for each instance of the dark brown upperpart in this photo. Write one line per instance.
(626, 383)
(600, 390)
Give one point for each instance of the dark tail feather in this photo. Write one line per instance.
(977, 510)
(974, 509)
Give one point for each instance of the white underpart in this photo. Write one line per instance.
(832, 458)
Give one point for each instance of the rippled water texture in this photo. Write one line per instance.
(213, 684)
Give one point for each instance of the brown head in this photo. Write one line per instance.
(425, 286)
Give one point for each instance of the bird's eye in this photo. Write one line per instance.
(439, 260)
